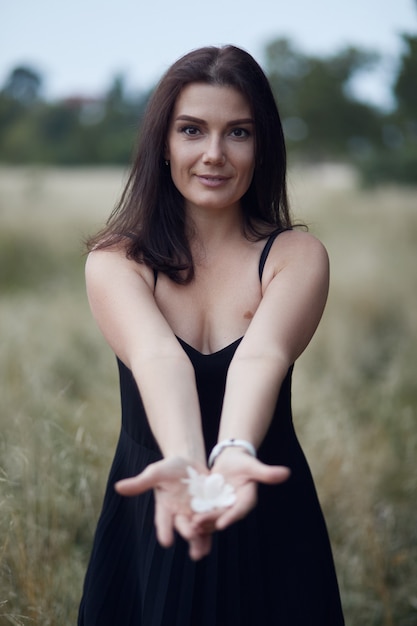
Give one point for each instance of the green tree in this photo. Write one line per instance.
(59, 129)
(405, 87)
(396, 161)
(19, 99)
(119, 123)
(321, 116)
(72, 131)
(23, 85)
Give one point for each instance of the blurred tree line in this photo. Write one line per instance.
(322, 118)
(76, 130)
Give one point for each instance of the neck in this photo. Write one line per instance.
(208, 230)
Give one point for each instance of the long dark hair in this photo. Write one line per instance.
(151, 211)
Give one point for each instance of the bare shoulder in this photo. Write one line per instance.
(297, 242)
(300, 252)
(295, 246)
(112, 263)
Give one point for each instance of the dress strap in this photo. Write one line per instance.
(266, 250)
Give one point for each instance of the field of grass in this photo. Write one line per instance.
(355, 390)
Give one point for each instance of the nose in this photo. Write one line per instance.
(214, 150)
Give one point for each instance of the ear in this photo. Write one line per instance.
(166, 153)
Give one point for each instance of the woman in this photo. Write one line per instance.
(207, 297)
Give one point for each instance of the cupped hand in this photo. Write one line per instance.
(172, 502)
(243, 472)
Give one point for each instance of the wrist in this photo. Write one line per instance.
(242, 444)
(189, 446)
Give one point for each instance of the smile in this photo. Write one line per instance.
(212, 181)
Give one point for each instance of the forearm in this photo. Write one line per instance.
(252, 389)
(168, 390)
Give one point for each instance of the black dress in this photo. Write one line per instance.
(273, 568)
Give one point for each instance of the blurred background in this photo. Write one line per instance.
(74, 81)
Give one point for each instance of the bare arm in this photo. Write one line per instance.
(121, 299)
(295, 292)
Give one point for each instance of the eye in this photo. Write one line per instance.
(190, 131)
(240, 133)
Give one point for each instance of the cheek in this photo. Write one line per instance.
(250, 166)
(246, 160)
(182, 156)
(179, 172)
(175, 176)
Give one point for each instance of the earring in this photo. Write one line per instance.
(166, 162)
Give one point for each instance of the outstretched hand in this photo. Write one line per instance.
(173, 503)
(244, 473)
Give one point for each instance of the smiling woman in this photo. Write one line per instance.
(207, 296)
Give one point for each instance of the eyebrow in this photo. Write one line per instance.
(197, 120)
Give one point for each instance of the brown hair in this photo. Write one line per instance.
(151, 210)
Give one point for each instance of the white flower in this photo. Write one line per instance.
(208, 492)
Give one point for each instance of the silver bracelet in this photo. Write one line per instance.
(230, 443)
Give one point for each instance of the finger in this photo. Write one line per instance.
(164, 525)
(205, 527)
(231, 516)
(269, 474)
(206, 522)
(243, 505)
(136, 485)
(200, 546)
(199, 542)
(184, 526)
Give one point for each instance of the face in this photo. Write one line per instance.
(211, 146)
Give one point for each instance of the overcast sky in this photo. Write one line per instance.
(78, 46)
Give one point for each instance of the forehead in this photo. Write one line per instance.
(207, 101)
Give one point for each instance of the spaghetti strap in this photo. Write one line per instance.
(266, 250)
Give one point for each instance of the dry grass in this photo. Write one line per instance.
(355, 395)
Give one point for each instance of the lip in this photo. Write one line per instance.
(211, 180)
